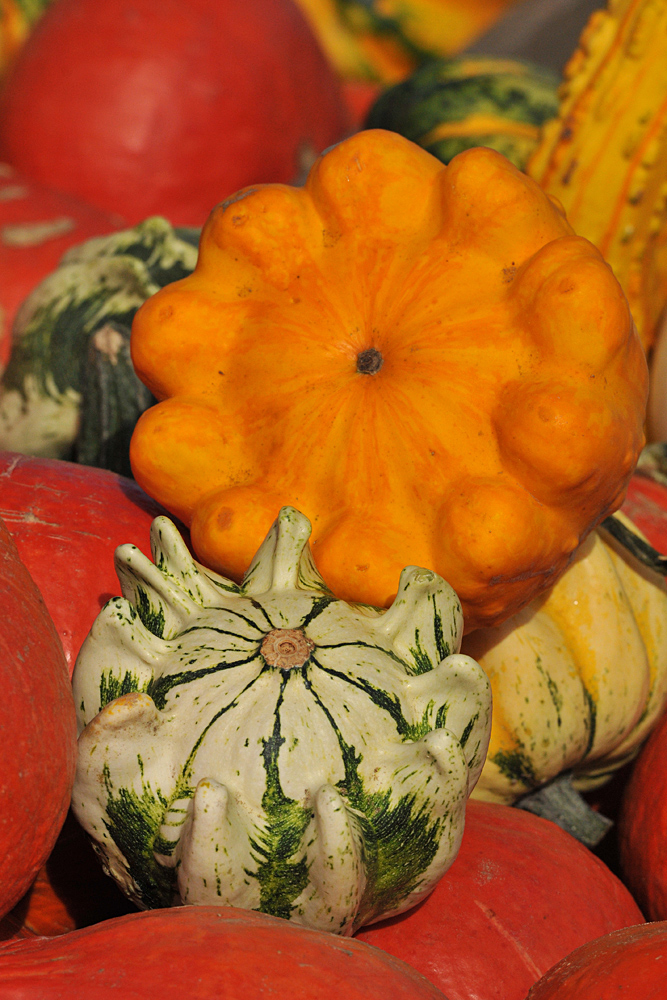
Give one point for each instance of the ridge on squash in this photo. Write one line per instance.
(268, 746)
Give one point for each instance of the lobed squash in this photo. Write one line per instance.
(270, 747)
(405, 350)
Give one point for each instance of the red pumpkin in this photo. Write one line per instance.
(37, 226)
(642, 833)
(38, 727)
(521, 894)
(67, 520)
(629, 963)
(166, 108)
(70, 891)
(202, 952)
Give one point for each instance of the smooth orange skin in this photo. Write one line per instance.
(504, 422)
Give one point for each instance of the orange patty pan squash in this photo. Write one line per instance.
(424, 359)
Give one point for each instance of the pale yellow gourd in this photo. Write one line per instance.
(579, 676)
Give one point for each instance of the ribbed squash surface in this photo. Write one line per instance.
(424, 359)
(579, 677)
(605, 155)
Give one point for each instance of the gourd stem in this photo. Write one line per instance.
(369, 362)
(561, 803)
(637, 547)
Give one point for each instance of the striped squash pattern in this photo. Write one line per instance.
(267, 746)
(69, 390)
(449, 105)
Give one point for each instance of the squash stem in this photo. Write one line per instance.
(637, 546)
(561, 803)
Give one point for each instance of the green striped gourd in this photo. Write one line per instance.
(270, 747)
(449, 105)
(69, 390)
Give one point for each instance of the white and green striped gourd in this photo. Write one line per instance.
(270, 747)
(69, 390)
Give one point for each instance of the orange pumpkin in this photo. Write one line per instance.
(425, 360)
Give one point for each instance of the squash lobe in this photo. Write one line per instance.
(504, 421)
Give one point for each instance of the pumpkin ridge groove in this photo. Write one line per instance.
(159, 689)
(223, 631)
(366, 645)
(200, 739)
(592, 708)
(280, 881)
(382, 699)
(320, 605)
(258, 607)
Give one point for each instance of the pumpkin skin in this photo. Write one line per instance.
(69, 390)
(38, 725)
(37, 226)
(448, 105)
(167, 108)
(189, 687)
(643, 826)
(70, 891)
(203, 952)
(66, 521)
(605, 154)
(460, 397)
(520, 896)
(579, 677)
(629, 963)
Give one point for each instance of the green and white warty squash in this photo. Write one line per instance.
(270, 747)
(69, 390)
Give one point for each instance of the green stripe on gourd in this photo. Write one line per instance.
(269, 746)
(449, 105)
(69, 390)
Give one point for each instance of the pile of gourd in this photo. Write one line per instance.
(376, 428)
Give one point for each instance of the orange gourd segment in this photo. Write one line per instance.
(423, 359)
